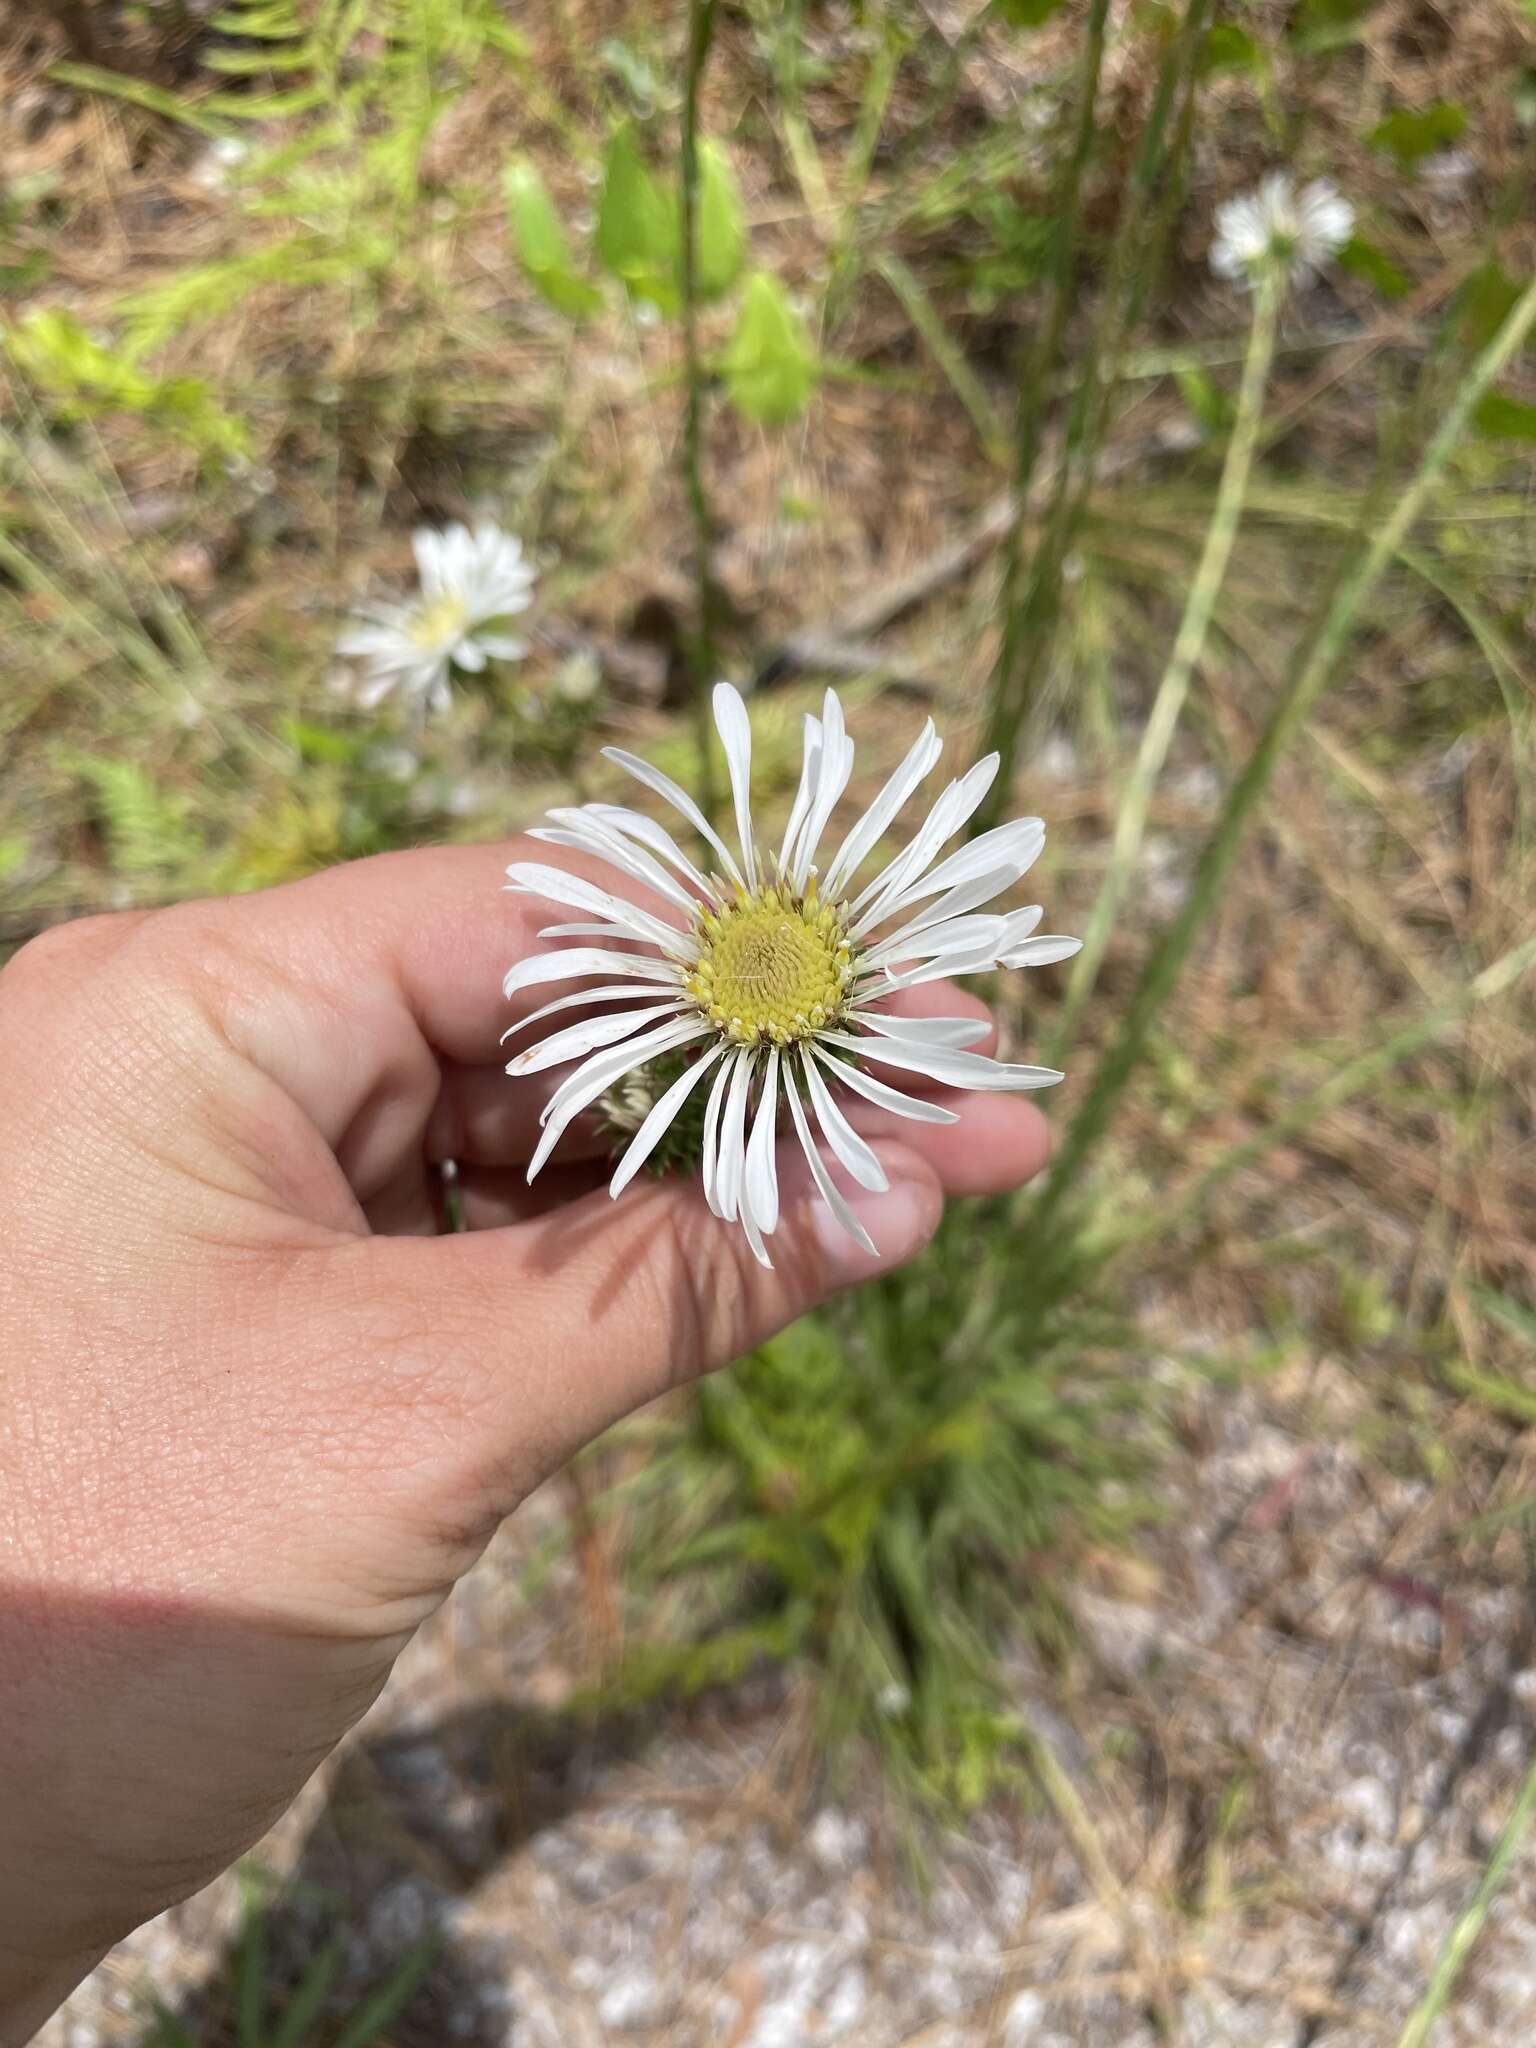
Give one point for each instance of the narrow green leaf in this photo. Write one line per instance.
(1025, 13)
(381, 2006)
(1374, 267)
(1502, 418)
(1411, 133)
(1516, 1317)
(770, 366)
(541, 244)
(1484, 301)
(1229, 48)
(154, 98)
(1505, 1397)
(1327, 24)
(722, 226)
(309, 1995)
(637, 236)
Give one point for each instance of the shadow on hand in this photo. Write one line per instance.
(416, 1818)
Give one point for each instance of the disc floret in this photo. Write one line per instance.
(775, 964)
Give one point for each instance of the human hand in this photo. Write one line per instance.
(256, 1416)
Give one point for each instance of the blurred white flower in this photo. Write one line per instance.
(1298, 229)
(773, 984)
(469, 583)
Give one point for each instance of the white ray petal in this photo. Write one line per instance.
(951, 875)
(636, 825)
(719, 1089)
(605, 840)
(731, 1157)
(810, 768)
(945, 967)
(1042, 951)
(954, 805)
(570, 963)
(826, 1187)
(584, 998)
(949, 1068)
(599, 1073)
(953, 904)
(577, 1040)
(958, 1032)
(1014, 845)
(735, 730)
(918, 1108)
(760, 1183)
(961, 938)
(848, 1148)
(678, 798)
(530, 878)
(919, 761)
(659, 1117)
(680, 946)
(835, 767)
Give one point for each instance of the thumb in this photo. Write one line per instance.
(542, 1333)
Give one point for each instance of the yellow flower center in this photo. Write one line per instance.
(438, 622)
(772, 968)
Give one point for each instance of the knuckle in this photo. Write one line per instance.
(65, 950)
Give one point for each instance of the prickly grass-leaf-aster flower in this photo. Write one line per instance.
(468, 583)
(766, 991)
(1300, 230)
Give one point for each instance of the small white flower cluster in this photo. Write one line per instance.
(470, 582)
(1301, 230)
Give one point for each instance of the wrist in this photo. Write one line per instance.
(32, 1989)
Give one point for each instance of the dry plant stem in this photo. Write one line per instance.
(1311, 671)
(1035, 377)
(1352, 1079)
(702, 656)
(1188, 646)
(1469, 1924)
(1029, 611)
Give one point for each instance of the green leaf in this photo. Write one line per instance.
(1327, 24)
(1505, 419)
(541, 244)
(721, 227)
(637, 237)
(1485, 301)
(770, 366)
(1411, 133)
(1025, 13)
(1209, 406)
(154, 98)
(1374, 267)
(1229, 48)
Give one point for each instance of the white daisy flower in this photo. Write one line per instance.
(1301, 230)
(769, 984)
(469, 581)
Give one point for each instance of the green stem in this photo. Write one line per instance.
(703, 664)
(1188, 646)
(1311, 671)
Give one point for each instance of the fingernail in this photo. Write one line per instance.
(900, 1221)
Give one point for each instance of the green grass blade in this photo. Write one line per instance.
(1460, 1941)
(1311, 672)
(381, 2006)
(309, 1996)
